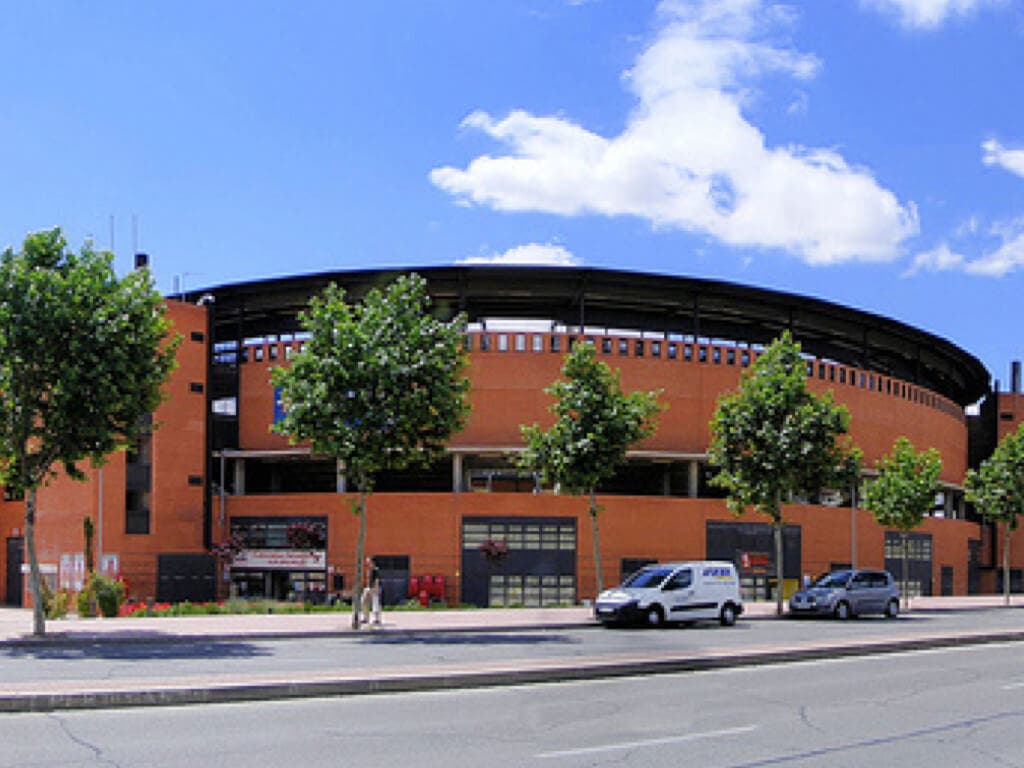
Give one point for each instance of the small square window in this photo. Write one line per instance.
(716, 355)
(623, 347)
(485, 342)
(702, 354)
(673, 351)
(520, 342)
(606, 345)
(655, 349)
(196, 386)
(831, 373)
(195, 479)
(745, 358)
(272, 351)
(842, 375)
(730, 357)
(639, 348)
(687, 352)
(257, 354)
(197, 336)
(503, 342)
(538, 343)
(556, 343)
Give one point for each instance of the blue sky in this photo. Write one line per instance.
(869, 152)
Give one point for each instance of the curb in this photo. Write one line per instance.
(464, 678)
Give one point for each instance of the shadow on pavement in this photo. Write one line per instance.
(469, 638)
(141, 649)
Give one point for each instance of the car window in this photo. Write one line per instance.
(646, 578)
(862, 580)
(879, 580)
(833, 580)
(681, 579)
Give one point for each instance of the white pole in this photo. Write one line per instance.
(853, 526)
(99, 524)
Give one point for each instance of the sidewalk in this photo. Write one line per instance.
(15, 627)
(16, 623)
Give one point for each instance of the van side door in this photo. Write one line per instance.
(679, 595)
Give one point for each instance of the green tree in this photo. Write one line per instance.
(903, 493)
(379, 386)
(772, 440)
(83, 357)
(997, 490)
(595, 424)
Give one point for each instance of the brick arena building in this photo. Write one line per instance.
(213, 467)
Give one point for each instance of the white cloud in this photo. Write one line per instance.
(688, 158)
(940, 259)
(1011, 160)
(540, 254)
(1009, 257)
(927, 14)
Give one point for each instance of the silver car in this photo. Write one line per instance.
(848, 593)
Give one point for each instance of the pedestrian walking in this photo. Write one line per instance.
(371, 592)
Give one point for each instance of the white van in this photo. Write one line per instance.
(674, 592)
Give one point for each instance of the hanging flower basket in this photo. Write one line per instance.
(495, 551)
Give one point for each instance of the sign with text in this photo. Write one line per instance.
(281, 559)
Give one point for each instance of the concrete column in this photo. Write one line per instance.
(456, 473)
(239, 477)
(342, 480)
(693, 479)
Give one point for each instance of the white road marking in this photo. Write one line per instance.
(646, 742)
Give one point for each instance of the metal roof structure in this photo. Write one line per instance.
(605, 298)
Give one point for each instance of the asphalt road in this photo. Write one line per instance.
(948, 707)
(199, 659)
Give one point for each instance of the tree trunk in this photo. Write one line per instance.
(357, 586)
(597, 545)
(777, 531)
(35, 586)
(1006, 565)
(903, 574)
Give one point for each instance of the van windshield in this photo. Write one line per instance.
(833, 580)
(646, 578)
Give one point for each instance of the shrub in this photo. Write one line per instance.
(109, 595)
(55, 604)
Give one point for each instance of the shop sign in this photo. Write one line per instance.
(281, 559)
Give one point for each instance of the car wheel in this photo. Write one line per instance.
(728, 615)
(655, 616)
(892, 609)
(842, 611)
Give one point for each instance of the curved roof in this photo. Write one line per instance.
(577, 296)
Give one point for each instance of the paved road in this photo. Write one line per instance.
(950, 707)
(105, 672)
(102, 659)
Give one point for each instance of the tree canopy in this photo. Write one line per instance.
(378, 386)
(904, 491)
(772, 439)
(997, 490)
(595, 424)
(83, 357)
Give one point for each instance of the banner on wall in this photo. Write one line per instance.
(281, 560)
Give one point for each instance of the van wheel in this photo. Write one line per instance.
(728, 615)
(842, 611)
(655, 616)
(892, 609)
